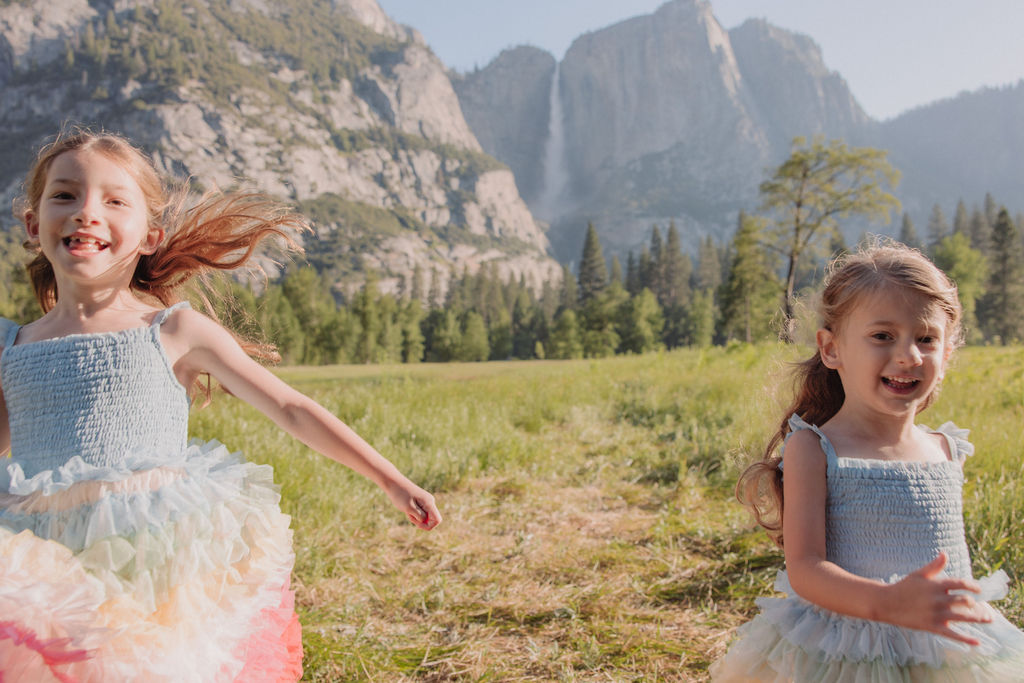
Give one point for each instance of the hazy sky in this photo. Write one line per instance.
(895, 54)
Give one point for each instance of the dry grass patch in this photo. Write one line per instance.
(526, 582)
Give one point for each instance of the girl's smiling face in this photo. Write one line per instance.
(890, 351)
(92, 222)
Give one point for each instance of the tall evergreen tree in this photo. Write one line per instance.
(632, 275)
(709, 266)
(436, 296)
(961, 221)
(749, 294)
(645, 268)
(640, 323)
(473, 345)
(701, 318)
(416, 293)
(991, 209)
(654, 278)
(1001, 310)
(980, 231)
(616, 275)
(675, 271)
(569, 299)
(938, 227)
(565, 341)
(410, 319)
(908, 233)
(593, 277)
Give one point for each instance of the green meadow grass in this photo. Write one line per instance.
(590, 530)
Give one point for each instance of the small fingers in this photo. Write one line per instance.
(424, 514)
(955, 635)
(951, 585)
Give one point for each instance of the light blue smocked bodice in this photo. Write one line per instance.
(102, 396)
(886, 519)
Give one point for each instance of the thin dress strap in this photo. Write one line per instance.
(797, 423)
(162, 316)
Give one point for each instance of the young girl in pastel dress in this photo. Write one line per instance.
(126, 553)
(878, 578)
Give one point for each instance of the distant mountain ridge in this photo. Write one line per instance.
(668, 117)
(327, 103)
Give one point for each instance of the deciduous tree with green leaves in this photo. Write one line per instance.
(817, 185)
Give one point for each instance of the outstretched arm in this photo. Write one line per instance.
(197, 344)
(923, 600)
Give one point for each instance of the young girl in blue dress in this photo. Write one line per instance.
(878, 578)
(127, 553)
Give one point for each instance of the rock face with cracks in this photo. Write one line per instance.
(361, 130)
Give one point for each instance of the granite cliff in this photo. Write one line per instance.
(326, 103)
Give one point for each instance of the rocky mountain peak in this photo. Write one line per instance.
(337, 109)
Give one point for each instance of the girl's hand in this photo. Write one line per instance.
(926, 601)
(417, 504)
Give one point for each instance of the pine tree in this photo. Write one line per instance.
(908, 233)
(640, 323)
(366, 308)
(961, 222)
(565, 341)
(523, 339)
(416, 293)
(593, 277)
(654, 278)
(1001, 310)
(644, 269)
(597, 322)
(991, 209)
(412, 334)
(436, 296)
(569, 299)
(980, 231)
(701, 318)
(442, 335)
(473, 346)
(499, 336)
(616, 275)
(749, 295)
(709, 266)
(938, 227)
(675, 271)
(632, 275)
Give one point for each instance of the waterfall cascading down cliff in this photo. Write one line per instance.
(552, 201)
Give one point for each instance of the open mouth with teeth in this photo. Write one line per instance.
(83, 243)
(902, 385)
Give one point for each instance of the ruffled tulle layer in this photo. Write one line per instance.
(158, 571)
(795, 640)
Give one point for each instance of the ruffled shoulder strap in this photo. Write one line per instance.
(956, 438)
(162, 316)
(797, 424)
(8, 332)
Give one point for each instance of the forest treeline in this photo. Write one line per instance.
(662, 297)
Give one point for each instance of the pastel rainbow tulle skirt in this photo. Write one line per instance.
(171, 570)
